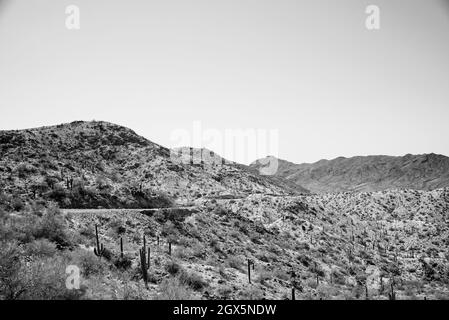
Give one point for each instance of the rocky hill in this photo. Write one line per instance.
(98, 164)
(371, 173)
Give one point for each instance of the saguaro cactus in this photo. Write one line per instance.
(121, 247)
(317, 274)
(293, 293)
(381, 284)
(392, 294)
(144, 252)
(249, 271)
(143, 266)
(366, 291)
(99, 250)
(169, 248)
(250, 263)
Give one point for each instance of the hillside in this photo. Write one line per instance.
(335, 246)
(371, 173)
(98, 164)
(205, 224)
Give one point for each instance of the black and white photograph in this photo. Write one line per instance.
(224, 150)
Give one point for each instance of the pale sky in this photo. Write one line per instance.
(309, 69)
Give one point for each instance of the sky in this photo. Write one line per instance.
(308, 74)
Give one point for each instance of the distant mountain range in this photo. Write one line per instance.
(369, 173)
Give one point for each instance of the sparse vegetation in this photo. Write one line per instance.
(382, 245)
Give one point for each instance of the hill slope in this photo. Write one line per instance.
(366, 245)
(371, 173)
(333, 246)
(98, 164)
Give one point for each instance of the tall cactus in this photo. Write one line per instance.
(143, 266)
(249, 271)
(144, 251)
(250, 264)
(366, 291)
(381, 284)
(99, 250)
(392, 294)
(121, 247)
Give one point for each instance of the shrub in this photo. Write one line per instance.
(3, 214)
(193, 280)
(25, 169)
(123, 263)
(173, 268)
(264, 276)
(58, 194)
(46, 280)
(17, 204)
(198, 249)
(117, 227)
(41, 248)
(311, 283)
(174, 289)
(41, 279)
(338, 277)
(182, 253)
(224, 292)
(215, 245)
(169, 230)
(162, 200)
(88, 262)
(107, 254)
(37, 208)
(11, 281)
(326, 292)
(234, 262)
(102, 183)
(281, 274)
(22, 228)
(220, 211)
(305, 260)
(53, 227)
(88, 232)
(251, 294)
(222, 272)
(133, 292)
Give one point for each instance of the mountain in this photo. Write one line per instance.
(99, 164)
(370, 173)
(203, 155)
(207, 223)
